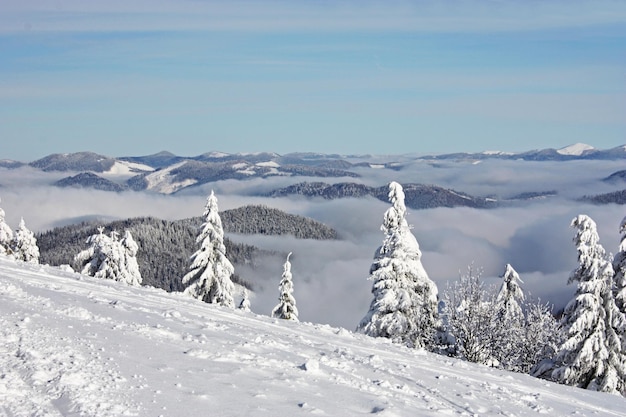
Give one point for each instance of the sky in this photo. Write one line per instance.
(352, 77)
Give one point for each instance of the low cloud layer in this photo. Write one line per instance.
(330, 277)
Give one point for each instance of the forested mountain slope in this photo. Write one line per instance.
(165, 246)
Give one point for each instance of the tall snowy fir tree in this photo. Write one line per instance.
(619, 267)
(209, 276)
(404, 308)
(6, 235)
(286, 308)
(24, 244)
(591, 356)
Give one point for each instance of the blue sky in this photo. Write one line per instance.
(353, 77)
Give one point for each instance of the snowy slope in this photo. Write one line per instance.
(72, 345)
(576, 149)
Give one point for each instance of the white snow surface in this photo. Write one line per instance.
(269, 164)
(124, 168)
(72, 345)
(162, 181)
(576, 149)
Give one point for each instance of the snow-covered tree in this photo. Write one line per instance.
(591, 356)
(6, 235)
(619, 267)
(508, 325)
(541, 339)
(24, 244)
(209, 276)
(129, 271)
(510, 296)
(245, 300)
(109, 257)
(404, 308)
(286, 308)
(469, 311)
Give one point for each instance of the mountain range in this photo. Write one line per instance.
(166, 173)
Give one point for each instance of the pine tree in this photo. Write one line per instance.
(508, 325)
(129, 271)
(103, 258)
(591, 356)
(404, 307)
(209, 277)
(619, 267)
(109, 257)
(24, 245)
(6, 235)
(286, 308)
(245, 300)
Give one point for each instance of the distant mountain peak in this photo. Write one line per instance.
(576, 149)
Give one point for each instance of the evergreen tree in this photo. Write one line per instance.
(508, 325)
(619, 267)
(245, 300)
(209, 277)
(103, 257)
(25, 245)
(286, 308)
(109, 257)
(129, 271)
(404, 307)
(6, 235)
(591, 356)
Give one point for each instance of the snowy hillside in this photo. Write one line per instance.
(576, 149)
(73, 345)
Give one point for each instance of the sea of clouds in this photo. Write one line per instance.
(330, 277)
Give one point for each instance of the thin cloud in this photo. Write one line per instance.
(281, 16)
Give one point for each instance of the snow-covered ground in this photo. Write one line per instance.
(72, 346)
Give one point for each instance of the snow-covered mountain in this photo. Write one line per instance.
(166, 173)
(73, 345)
(576, 149)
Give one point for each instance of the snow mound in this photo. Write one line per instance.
(73, 345)
(576, 149)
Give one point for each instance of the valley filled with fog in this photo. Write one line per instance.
(330, 276)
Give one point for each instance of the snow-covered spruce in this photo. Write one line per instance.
(591, 356)
(619, 267)
(24, 244)
(6, 235)
(210, 273)
(245, 300)
(286, 308)
(509, 323)
(109, 257)
(404, 308)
